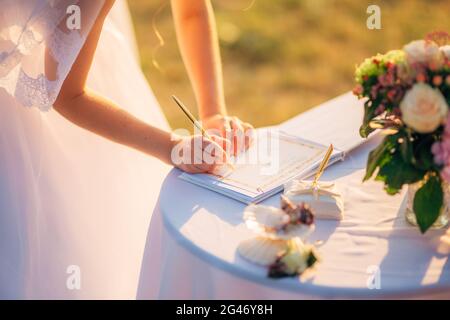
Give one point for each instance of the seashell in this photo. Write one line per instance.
(266, 217)
(273, 223)
(262, 251)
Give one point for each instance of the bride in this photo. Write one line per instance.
(75, 207)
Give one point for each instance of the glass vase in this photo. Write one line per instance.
(442, 220)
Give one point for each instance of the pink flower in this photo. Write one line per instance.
(439, 153)
(358, 90)
(446, 51)
(391, 94)
(445, 173)
(386, 79)
(390, 66)
(437, 80)
(374, 91)
(380, 109)
(397, 112)
(446, 146)
(447, 129)
(421, 77)
(423, 52)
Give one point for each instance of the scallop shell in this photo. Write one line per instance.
(266, 217)
(270, 222)
(262, 251)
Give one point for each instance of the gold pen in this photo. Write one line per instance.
(323, 165)
(197, 124)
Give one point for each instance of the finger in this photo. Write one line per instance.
(206, 167)
(214, 152)
(247, 126)
(202, 167)
(215, 132)
(227, 131)
(197, 141)
(189, 168)
(224, 144)
(196, 149)
(221, 170)
(249, 134)
(236, 124)
(238, 135)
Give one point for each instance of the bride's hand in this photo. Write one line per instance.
(197, 154)
(239, 133)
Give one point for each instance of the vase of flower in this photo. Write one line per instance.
(443, 216)
(407, 95)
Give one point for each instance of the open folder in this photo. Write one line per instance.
(260, 172)
(292, 150)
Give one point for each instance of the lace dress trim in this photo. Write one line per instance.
(39, 31)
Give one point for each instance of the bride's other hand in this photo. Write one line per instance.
(239, 133)
(197, 154)
(197, 37)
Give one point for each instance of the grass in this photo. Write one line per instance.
(282, 57)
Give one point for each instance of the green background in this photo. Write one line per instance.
(281, 57)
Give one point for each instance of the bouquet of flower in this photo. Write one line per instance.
(407, 93)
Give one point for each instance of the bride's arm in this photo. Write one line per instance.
(197, 38)
(199, 46)
(99, 115)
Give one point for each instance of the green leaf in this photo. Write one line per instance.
(365, 130)
(312, 259)
(376, 157)
(424, 158)
(379, 156)
(406, 148)
(369, 113)
(428, 203)
(396, 172)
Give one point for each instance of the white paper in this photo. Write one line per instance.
(273, 160)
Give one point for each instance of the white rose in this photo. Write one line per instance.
(421, 51)
(446, 50)
(423, 108)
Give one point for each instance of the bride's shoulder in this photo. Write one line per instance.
(31, 29)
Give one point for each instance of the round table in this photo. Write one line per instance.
(373, 252)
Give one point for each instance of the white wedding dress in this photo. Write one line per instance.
(74, 207)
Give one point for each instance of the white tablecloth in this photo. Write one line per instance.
(192, 241)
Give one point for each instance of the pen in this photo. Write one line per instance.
(196, 123)
(323, 165)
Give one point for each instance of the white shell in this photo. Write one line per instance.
(267, 221)
(260, 250)
(269, 217)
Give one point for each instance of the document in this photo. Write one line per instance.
(274, 159)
